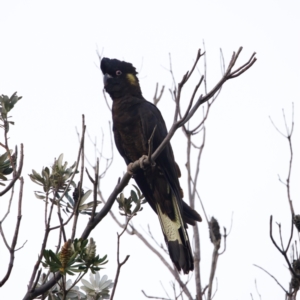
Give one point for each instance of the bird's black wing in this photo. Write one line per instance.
(150, 117)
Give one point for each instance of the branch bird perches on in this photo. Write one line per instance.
(229, 74)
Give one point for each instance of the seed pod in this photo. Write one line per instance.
(297, 221)
(215, 228)
(296, 266)
(295, 283)
(65, 254)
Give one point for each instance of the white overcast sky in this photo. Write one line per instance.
(48, 54)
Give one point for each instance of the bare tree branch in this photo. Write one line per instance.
(120, 264)
(12, 247)
(167, 265)
(153, 297)
(273, 278)
(156, 98)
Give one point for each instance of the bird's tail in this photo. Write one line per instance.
(176, 238)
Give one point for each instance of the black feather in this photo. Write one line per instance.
(134, 119)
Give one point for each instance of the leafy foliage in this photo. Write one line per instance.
(75, 257)
(70, 203)
(6, 105)
(56, 180)
(125, 204)
(7, 158)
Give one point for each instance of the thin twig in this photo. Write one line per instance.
(150, 144)
(9, 205)
(259, 295)
(120, 264)
(273, 278)
(214, 262)
(153, 297)
(15, 236)
(104, 95)
(156, 98)
(80, 153)
(95, 189)
(155, 241)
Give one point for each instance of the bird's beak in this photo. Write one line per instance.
(105, 78)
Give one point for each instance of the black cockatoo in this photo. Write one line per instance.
(134, 120)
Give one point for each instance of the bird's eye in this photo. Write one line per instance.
(118, 73)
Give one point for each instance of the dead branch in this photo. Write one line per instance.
(288, 136)
(163, 260)
(81, 153)
(12, 247)
(283, 252)
(156, 98)
(225, 235)
(120, 264)
(213, 268)
(155, 241)
(9, 205)
(104, 95)
(259, 295)
(150, 145)
(95, 184)
(153, 297)
(202, 99)
(274, 279)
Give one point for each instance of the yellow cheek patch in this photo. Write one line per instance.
(132, 79)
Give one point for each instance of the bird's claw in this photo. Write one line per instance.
(141, 162)
(143, 159)
(142, 165)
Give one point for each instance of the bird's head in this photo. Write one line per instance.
(119, 78)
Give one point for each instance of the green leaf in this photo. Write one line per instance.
(69, 198)
(54, 257)
(59, 160)
(69, 272)
(7, 171)
(40, 195)
(85, 196)
(84, 243)
(3, 157)
(137, 208)
(2, 177)
(46, 254)
(134, 196)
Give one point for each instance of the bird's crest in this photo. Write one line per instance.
(111, 66)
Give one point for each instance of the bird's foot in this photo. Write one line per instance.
(141, 162)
